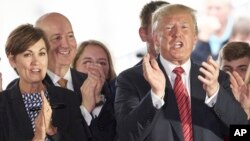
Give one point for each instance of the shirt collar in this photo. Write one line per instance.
(54, 77)
(169, 67)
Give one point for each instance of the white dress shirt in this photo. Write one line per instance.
(169, 67)
(55, 78)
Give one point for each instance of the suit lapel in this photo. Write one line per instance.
(77, 79)
(48, 80)
(196, 88)
(171, 109)
(21, 118)
(197, 100)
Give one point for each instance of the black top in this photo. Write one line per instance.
(15, 123)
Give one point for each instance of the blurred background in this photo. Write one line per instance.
(114, 22)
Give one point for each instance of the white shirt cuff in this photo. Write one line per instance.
(97, 111)
(210, 101)
(157, 101)
(87, 116)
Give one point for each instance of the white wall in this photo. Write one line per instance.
(114, 22)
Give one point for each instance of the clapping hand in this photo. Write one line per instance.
(209, 25)
(92, 86)
(210, 70)
(154, 75)
(241, 91)
(43, 124)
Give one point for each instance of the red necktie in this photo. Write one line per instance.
(62, 82)
(183, 104)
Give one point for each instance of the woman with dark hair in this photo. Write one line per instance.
(31, 109)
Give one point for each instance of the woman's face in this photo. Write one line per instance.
(31, 65)
(93, 54)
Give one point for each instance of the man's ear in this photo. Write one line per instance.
(143, 34)
(12, 61)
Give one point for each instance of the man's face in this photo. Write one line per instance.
(176, 37)
(239, 65)
(218, 9)
(61, 39)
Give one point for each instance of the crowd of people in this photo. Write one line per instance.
(177, 92)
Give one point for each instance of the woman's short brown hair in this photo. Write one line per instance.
(22, 37)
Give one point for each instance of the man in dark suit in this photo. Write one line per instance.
(89, 87)
(145, 30)
(148, 96)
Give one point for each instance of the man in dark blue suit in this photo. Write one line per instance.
(146, 104)
(145, 30)
(89, 87)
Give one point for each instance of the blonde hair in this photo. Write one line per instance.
(81, 48)
(168, 10)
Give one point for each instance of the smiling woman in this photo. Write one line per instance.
(29, 99)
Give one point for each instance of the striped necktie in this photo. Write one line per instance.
(183, 104)
(62, 82)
